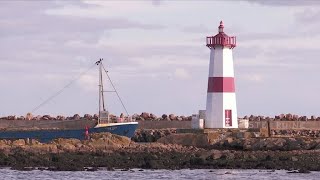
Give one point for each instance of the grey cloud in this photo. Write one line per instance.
(308, 16)
(285, 2)
(30, 18)
(196, 29)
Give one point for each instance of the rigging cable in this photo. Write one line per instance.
(115, 90)
(61, 90)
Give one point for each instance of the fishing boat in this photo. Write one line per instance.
(124, 127)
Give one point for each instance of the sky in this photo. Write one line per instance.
(156, 56)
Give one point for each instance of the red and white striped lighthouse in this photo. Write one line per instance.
(221, 110)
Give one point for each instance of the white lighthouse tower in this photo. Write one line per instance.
(221, 110)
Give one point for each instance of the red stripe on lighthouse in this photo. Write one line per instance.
(221, 84)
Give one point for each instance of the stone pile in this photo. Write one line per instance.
(151, 117)
(144, 116)
(282, 117)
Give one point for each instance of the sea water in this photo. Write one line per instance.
(138, 174)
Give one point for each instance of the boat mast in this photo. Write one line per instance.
(99, 63)
(101, 96)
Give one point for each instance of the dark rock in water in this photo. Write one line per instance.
(303, 170)
(110, 169)
(90, 168)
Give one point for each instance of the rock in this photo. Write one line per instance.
(164, 116)
(153, 117)
(186, 139)
(95, 116)
(46, 117)
(76, 117)
(303, 170)
(289, 117)
(19, 142)
(184, 118)
(216, 155)
(12, 118)
(281, 116)
(179, 119)
(61, 118)
(172, 117)
(145, 115)
(247, 135)
(37, 118)
(88, 116)
(110, 139)
(21, 118)
(294, 159)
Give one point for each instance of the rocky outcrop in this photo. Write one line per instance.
(151, 135)
(115, 152)
(186, 139)
(223, 149)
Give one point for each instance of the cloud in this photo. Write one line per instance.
(285, 2)
(308, 16)
(257, 78)
(181, 73)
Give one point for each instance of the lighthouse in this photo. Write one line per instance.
(221, 109)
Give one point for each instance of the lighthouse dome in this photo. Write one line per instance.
(221, 39)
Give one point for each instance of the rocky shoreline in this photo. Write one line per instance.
(228, 150)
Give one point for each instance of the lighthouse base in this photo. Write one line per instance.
(221, 111)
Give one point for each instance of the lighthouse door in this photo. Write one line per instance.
(228, 117)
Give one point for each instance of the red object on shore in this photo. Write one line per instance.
(87, 133)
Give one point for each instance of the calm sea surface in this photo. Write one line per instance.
(135, 174)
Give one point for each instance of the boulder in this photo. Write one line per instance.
(88, 116)
(19, 142)
(216, 154)
(29, 116)
(76, 117)
(145, 115)
(289, 117)
(95, 116)
(164, 116)
(172, 117)
(61, 118)
(153, 116)
(110, 139)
